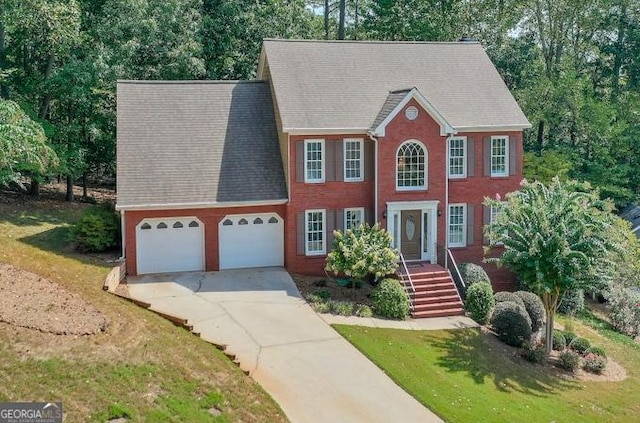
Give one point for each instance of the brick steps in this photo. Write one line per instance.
(435, 292)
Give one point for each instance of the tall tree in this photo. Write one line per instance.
(557, 238)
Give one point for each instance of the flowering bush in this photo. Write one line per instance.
(362, 251)
(594, 363)
(624, 309)
(569, 360)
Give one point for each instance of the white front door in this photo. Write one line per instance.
(251, 240)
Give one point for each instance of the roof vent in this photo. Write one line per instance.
(467, 39)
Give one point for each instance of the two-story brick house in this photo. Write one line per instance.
(410, 135)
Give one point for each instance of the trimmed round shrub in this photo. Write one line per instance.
(511, 323)
(390, 299)
(480, 301)
(594, 363)
(572, 302)
(503, 296)
(472, 273)
(98, 229)
(535, 353)
(568, 360)
(535, 308)
(579, 344)
(569, 336)
(597, 351)
(342, 308)
(363, 310)
(559, 341)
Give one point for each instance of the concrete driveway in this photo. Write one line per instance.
(311, 371)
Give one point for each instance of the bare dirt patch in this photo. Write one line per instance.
(311, 284)
(33, 302)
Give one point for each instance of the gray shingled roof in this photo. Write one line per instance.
(197, 143)
(344, 84)
(393, 99)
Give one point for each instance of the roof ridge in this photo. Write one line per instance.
(187, 82)
(299, 40)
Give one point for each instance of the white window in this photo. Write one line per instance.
(457, 225)
(353, 162)
(314, 160)
(499, 156)
(314, 232)
(411, 162)
(353, 218)
(457, 157)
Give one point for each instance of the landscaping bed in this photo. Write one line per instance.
(308, 285)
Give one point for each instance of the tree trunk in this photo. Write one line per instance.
(326, 19)
(46, 100)
(540, 139)
(343, 7)
(34, 188)
(548, 336)
(69, 196)
(84, 186)
(355, 27)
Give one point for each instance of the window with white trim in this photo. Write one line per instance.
(457, 157)
(411, 163)
(353, 218)
(353, 162)
(314, 160)
(457, 225)
(499, 156)
(314, 224)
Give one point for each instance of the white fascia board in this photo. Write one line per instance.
(261, 62)
(203, 205)
(325, 131)
(493, 128)
(445, 127)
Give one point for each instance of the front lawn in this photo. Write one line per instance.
(464, 376)
(141, 366)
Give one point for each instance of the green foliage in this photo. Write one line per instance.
(597, 351)
(546, 166)
(579, 344)
(594, 363)
(572, 302)
(534, 352)
(568, 360)
(117, 411)
(535, 308)
(363, 310)
(362, 251)
(503, 296)
(320, 306)
(559, 341)
(511, 323)
(624, 309)
(23, 145)
(323, 294)
(98, 229)
(479, 302)
(341, 308)
(569, 336)
(390, 300)
(472, 273)
(557, 238)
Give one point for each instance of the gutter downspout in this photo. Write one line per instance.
(122, 234)
(375, 176)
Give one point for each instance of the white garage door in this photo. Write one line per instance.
(251, 240)
(170, 245)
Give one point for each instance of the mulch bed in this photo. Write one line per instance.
(31, 301)
(310, 284)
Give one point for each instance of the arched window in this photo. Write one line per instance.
(411, 162)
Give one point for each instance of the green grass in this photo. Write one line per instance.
(142, 367)
(463, 376)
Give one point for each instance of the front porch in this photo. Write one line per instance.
(431, 290)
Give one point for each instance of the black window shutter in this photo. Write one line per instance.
(339, 160)
(330, 218)
(300, 233)
(340, 219)
(513, 155)
(300, 161)
(329, 156)
(369, 160)
(471, 157)
(486, 151)
(470, 224)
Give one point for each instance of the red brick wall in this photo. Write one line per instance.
(210, 217)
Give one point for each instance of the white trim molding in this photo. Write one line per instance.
(202, 205)
(322, 169)
(429, 207)
(360, 142)
(352, 209)
(322, 232)
(464, 157)
(463, 242)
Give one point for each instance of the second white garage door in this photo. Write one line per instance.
(251, 240)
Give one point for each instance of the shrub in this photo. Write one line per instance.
(320, 307)
(362, 251)
(314, 298)
(597, 351)
(569, 336)
(594, 363)
(472, 273)
(323, 294)
(572, 302)
(503, 296)
(363, 310)
(568, 360)
(98, 229)
(535, 308)
(559, 341)
(511, 323)
(480, 301)
(579, 344)
(624, 309)
(342, 308)
(534, 352)
(390, 299)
